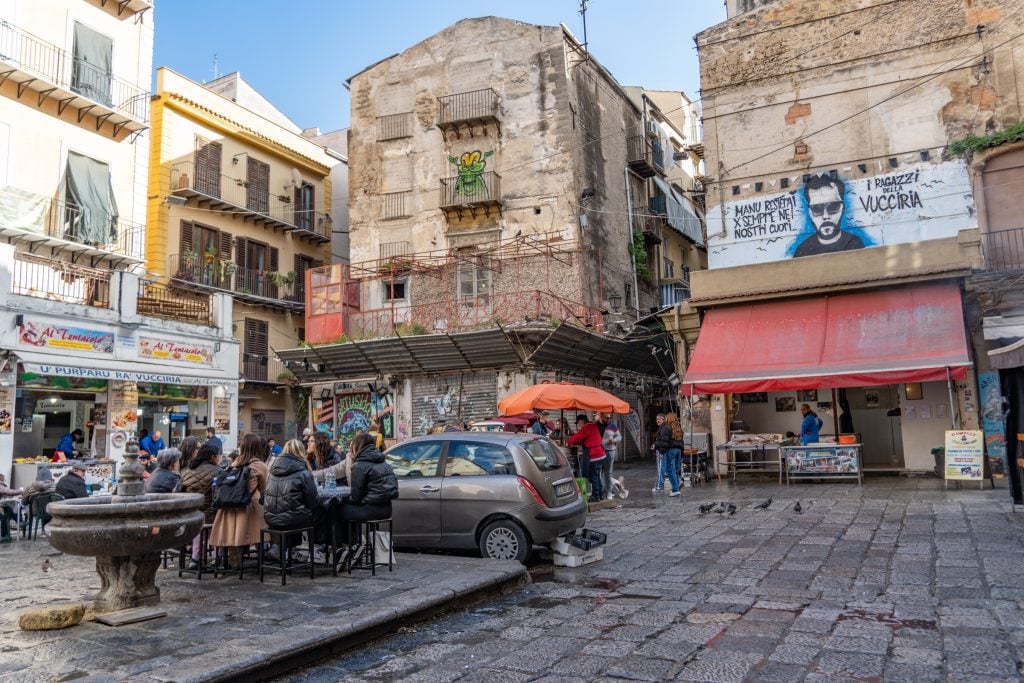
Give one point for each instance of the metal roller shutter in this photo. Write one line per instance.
(468, 396)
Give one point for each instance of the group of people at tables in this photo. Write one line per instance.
(282, 483)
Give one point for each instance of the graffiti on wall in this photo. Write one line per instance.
(470, 166)
(993, 415)
(440, 407)
(383, 410)
(354, 415)
(323, 415)
(830, 213)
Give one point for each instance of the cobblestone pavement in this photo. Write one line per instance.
(897, 580)
(214, 627)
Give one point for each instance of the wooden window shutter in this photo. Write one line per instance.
(207, 167)
(273, 261)
(258, 190)
(275, 255)
(185, 248)
(225, 256)
(241, 249)
(297, 265)
(254, 350)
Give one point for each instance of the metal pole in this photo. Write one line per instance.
(953, 412)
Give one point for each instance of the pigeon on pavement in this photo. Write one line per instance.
(720, 509)
(46, 565)
(764, 505)
(732, 509)
(798, 508)
(706, 508)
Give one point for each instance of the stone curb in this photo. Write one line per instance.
(328, 638)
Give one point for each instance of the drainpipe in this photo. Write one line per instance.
(629, 210)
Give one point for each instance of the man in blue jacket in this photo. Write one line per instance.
(810, 427)
(68, 441)
(152, 443)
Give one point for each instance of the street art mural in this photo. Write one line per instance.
(833, 212)
(383, 410)
(993, 414)
(354, 414)
(470, 166)
(441, 407)
(323, 415)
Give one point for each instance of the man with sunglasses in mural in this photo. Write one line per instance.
(826, 204)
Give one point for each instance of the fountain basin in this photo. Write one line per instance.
(118, 526)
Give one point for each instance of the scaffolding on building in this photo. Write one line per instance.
(528, 278)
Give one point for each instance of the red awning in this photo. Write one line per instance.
(891, 336)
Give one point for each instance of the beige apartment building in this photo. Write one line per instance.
(240, 204)
(849, 225)
(88, 340)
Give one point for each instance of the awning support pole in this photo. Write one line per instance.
(835, 413)
(953, 412)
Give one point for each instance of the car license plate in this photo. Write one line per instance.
(563, 489)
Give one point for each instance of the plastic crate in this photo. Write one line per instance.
(585, 539)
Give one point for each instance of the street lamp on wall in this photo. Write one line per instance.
(615, 301)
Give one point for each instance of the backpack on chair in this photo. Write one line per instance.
(232, 490)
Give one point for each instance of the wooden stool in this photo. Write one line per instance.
(281, 538)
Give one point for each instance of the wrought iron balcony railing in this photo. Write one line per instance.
(55, 280)
(262, 287)
(160, 301)
(467, 108)
(55, 73)
(483, 189)
(394, 126)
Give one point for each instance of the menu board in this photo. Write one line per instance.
(222, 414)
(964, 453)
(124, 405)
(7, 394)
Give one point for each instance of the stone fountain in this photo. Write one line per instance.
(125, 533)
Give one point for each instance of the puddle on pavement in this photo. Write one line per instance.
(552, 574)
(927, 624)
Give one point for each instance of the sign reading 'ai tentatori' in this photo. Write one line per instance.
(200, 354)
(837, 211)
(41, 335)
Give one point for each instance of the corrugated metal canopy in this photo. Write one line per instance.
(575, 349)
(401, 355)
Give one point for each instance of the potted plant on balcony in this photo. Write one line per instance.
(282, 279)
(287, 377)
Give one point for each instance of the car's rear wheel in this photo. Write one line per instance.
(503, 539)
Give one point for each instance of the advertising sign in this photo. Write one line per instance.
(823, 461)
(842, 210)
(964, 452)
(7, 393)
(162, 349)
(222, 414)
(993, 421)
(44, 335)
(123, 406)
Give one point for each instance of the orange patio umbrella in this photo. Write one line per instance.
(562, 396)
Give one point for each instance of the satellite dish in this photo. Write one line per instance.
(296, 177)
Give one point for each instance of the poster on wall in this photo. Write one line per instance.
(222, 414)
(993, 418)
(7, 393)
(162, 349)
(45, 335)
(323, 415)
(383, 411)
(964, 452)
(836, 211)
(633, 425)
(354, 414)
(123, 407)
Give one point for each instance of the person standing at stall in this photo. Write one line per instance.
(589, 437)
(152, 443)
(66, 446)
(810, 427)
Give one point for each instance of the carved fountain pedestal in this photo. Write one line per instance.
(126, 533)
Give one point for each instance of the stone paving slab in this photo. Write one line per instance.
(895, 580)
(221, 628)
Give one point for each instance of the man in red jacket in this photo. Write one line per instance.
(589, 436)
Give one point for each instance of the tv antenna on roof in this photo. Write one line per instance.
(216, 67)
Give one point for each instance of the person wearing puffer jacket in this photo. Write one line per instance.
(291, 500)
(373, 483)
(203, 468)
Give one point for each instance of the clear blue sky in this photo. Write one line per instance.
(297, 53)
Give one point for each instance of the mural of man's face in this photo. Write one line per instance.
(826, 207)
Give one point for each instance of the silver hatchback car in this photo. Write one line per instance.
(497, 492)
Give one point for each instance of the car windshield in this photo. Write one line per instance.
(543, 453)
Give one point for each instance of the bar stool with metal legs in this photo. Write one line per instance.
(282, 539)
(366, 556)
(185, 555)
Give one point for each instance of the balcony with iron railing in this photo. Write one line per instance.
(476, 107)
(470, 191)
(1004, 250)
(394, 126)
(642, 157)
(63, 225)
(170, 303)
(62, 281)
(265, 369)
(258, 287)
(396, 205)
(54, 74)
(235, 196)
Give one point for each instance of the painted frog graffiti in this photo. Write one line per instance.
(471, 167)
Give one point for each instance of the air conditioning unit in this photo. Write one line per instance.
(651, 127)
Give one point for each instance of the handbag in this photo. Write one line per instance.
(382, 546)
(232, 490)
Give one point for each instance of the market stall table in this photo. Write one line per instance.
(823, 461)
(753, 445)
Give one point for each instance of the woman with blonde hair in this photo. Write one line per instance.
(237, 528)
(291, 500)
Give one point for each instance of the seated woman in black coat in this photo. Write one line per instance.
(373, 483)
(291, 500)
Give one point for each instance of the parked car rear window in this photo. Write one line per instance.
(543, 453)
(418, 459)
(473, 458)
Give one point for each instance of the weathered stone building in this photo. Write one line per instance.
(835, 195)
(491, 192)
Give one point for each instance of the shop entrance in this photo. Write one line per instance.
(876, 416)
(43, 416)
